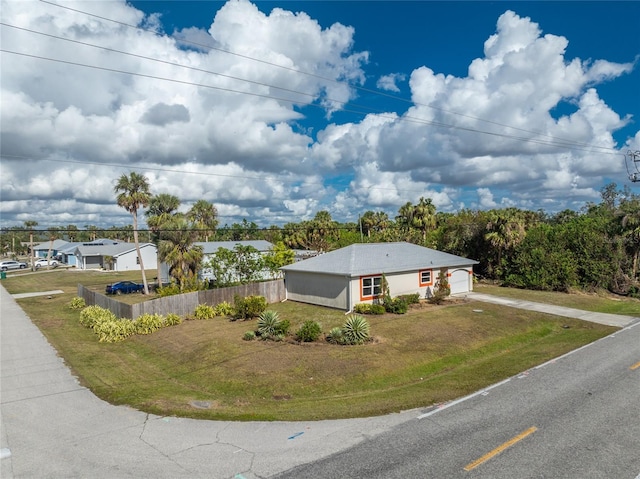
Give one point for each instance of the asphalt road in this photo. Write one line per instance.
(577, 416)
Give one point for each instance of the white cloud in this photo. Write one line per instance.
(390, 82)
(239, 144)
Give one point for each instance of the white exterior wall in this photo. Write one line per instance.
(129, 261)
(409, 283)
(321, 289)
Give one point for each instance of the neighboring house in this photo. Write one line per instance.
(117, 256)
(68, 252)
(211, 247)
(40, 250)
(351, 275)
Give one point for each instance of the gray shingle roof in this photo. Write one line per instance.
(108, 249)
(211, 247)
(374, 258)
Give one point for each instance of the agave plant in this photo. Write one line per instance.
(355, 330)
(335, 336)
(268, 323)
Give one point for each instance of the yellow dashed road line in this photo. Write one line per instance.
(500, 448)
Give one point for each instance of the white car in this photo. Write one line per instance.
(43, 262)
(10, 264)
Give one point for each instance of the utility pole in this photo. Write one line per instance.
(633, 163)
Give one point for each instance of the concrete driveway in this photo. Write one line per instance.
(618, 320)
(52, 427)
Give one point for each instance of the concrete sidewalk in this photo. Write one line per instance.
(52, 427)
(600, 318)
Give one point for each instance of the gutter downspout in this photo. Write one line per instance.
(348, 295)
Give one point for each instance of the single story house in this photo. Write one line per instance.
(68, 251)
(116, 256)
(40, 250)
(351, 275)
(210, 249)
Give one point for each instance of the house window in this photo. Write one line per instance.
(371, 287)
(426, 277)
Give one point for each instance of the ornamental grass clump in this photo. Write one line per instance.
(92, 315)
(114, 331)
(204, 311)
(172, 319)
(77, 303)
(148, 323)
(223, 309)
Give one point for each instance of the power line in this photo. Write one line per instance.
(405, 118)
(558, 141)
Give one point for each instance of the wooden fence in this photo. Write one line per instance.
(184, 304)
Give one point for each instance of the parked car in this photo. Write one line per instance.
(43, 262)
(10, 264)
(124, 287)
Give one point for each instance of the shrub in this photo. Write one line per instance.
(362, 308)
(223, 309)
(148, 323)
(249, 307)
(355, 330)
(396, 305)
(204, 311)
(77, 303)
(335, 336)
(377, 309)
(168, 290)
(172, 319)
(309, 331)
(92, 315)
(249, 336)
(410, 298)
(442, 291)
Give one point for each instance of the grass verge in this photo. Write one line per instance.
(429, 355)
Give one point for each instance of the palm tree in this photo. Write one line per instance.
(132, 194)
(367, 222)
(204, 216)
(424, 217)
(176, 248)
(53, 235)
(30, 225)
(506, 230)
(72, 232)
(161, 209)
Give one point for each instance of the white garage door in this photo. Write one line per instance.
(459, 281)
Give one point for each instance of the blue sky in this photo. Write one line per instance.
(269, 161)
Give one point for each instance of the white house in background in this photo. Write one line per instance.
(210, 248)
(68, 251)
(351, 275)
(115, 255)
(41, 250)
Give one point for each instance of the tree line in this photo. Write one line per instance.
(597, 247)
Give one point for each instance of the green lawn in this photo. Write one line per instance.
(430, 355)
